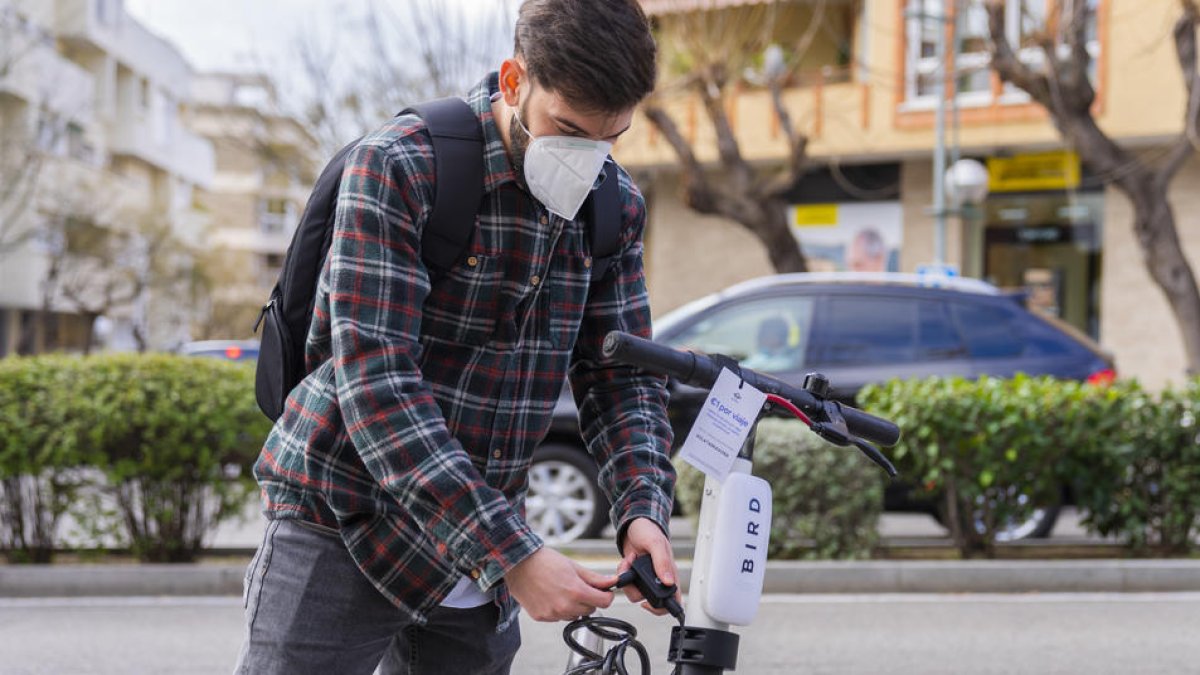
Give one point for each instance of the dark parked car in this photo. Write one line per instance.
(854, 328)
(229, 350)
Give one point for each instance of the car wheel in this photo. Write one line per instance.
(1038, 525)
(564, 502)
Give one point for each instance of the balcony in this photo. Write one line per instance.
(827, 105)
(103, 26)
(41, 77)
(182, 153)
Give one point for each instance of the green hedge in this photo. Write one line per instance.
(991, 450)
(1142, 482)
(41, 453)
(168, 440)
(826, 500)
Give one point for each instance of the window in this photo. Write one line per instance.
(270, 265)
(989, 331)
(108, 12)
(972, 74)
(937, 339)
(867, 331)
(276, 216)
(924, 19)
(767, 334)
(1043, 340)
(973, 77)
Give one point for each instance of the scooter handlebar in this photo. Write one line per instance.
(699, 370)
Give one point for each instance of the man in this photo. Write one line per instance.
(394, 482)
(868, 252)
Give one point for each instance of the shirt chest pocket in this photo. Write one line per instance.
(570, 276)
(463, 304)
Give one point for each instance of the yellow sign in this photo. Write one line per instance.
(1059, 170)
(815, 215)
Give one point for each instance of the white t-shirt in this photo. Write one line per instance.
(466, 595)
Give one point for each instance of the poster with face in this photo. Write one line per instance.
(850, 237)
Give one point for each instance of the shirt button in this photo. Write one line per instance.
(535, 280)
(587, 262)
(473, 261)
(545, 220)
(475, 575)
(497, 454)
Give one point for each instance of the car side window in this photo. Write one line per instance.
(989, 330)
(869, 330)
(766, 334)
(938, 338)
(1041, 339)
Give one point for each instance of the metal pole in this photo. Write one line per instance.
(939, 153)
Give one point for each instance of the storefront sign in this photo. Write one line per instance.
(815, 215)
(1041, 171)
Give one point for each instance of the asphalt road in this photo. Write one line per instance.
(1094, 634)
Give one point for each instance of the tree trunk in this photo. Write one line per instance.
(1154, 224)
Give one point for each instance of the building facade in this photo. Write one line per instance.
(92, 104)
(865, 96)
(266, 166)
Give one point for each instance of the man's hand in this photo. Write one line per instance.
(552, 587)
(641, 537)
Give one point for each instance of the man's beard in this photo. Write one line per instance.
(519, 141)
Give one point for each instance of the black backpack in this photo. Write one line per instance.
(458, 158)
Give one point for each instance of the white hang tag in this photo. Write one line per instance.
(722, 425)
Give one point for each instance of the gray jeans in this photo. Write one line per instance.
(310, 610)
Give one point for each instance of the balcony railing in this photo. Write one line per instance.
(827, 105)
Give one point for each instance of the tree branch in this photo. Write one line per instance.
(711, 87)
(694, 179)
(1185, 51)
(1005, 61)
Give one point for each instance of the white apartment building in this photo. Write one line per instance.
(265, 170)
(96, 100)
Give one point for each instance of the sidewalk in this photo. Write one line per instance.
(904, 536)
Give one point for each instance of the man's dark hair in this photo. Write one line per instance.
(597, 54)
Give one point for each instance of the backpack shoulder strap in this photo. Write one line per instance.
(604, 220)
(458, 162)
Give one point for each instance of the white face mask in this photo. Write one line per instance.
(561, 170)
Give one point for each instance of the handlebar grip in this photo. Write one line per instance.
(701, 371)
(649, 355)
(869, 427)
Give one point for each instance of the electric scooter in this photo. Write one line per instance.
(729, 563)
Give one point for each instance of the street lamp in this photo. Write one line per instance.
(966, 184)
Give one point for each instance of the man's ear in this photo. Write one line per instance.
(512, 74)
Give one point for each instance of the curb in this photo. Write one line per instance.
(867, 577)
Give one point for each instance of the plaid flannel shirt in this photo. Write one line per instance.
(415, 429)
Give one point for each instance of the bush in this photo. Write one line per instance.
(990, 451)
(1143, 484)
(174, 437)
(40, 456)
(826, 500)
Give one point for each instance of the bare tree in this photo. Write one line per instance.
(1063, 88)
(397, 55)
(24, 131)
(712, 56)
